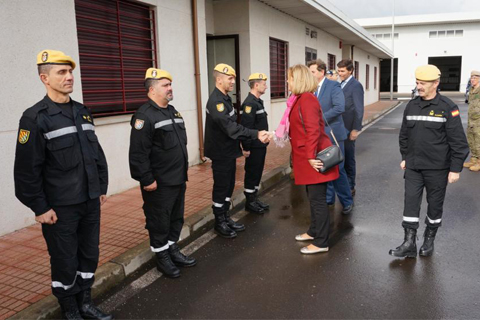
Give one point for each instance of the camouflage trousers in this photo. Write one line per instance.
(473, 136)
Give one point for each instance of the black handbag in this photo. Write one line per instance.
(330, 156)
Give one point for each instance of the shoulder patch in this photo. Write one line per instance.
(220, 107)
(139, 124)
(248, 109)
(23, 136)
(455, 113)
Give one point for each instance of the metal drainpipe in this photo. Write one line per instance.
(197, 80)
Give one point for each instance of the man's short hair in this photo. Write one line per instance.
(346, 63)
(149, 83)
(251, 83)
(44, 68)
(216, 74)
(321, 66)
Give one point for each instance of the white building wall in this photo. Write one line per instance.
(414, 46)
(364, 58)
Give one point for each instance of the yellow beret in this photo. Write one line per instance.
(54, 57)
(428, 72)
(257, 76)
(225, 69)
(157, 74)
(475, 73)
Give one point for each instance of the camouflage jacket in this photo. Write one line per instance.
(474, 104)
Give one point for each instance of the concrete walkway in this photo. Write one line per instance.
(24, 262)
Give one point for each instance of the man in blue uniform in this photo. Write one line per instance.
(61, 174)
(254, 116)
(159, 161)
(222, 146)
(433, 147)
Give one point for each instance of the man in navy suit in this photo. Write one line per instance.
(332, 101)
(353, 116)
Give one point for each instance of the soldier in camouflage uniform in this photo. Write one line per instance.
(473, 130)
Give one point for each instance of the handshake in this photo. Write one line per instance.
(265, 136)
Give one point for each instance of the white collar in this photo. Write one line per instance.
(320, 86)
(348, 79)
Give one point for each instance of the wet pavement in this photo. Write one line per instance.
(261, 274)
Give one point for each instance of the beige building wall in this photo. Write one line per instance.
(20, 85)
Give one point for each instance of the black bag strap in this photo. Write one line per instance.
(324, 119)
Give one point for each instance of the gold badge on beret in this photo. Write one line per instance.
(220, 107)
(154, 73)
(139, 124)
(23, 136)
(248, 109)
(44, 56)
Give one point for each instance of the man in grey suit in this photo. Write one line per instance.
(353, 116)
(332, 102)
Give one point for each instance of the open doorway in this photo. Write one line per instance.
(451, 68)
(224, 49)
(385, 75)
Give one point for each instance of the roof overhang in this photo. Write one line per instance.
(325, 16)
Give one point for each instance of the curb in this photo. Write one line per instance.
(116, 270)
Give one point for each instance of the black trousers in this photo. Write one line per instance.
(320, 217)
(164, 211)
(223, 183)
(435, 182)
(254, 168)
(73, 247)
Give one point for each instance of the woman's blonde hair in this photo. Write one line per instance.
(302, 80)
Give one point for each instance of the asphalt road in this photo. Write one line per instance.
(261, 274)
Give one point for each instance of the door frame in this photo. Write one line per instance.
(238, 95)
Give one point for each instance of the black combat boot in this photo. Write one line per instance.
(261, 204)
(166, 266)
(87, 309)
(251, 204)
(69, 308)
(408, 249)
(178, 258)
(426, 249)
(235, 226)
(221, 227)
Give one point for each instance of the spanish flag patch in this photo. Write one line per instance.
(455, 113)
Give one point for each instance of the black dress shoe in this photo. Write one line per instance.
(165, 265)
(235, 226)
(348, 209)
(88, 310)
(178, 258)
(70, 309)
